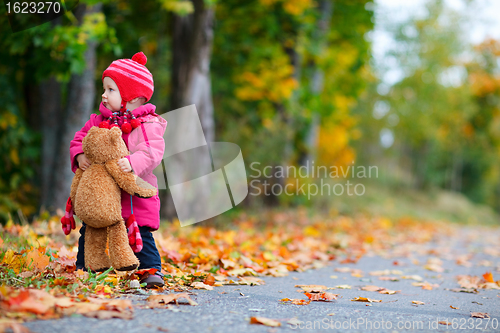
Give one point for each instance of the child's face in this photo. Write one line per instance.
(111, 97)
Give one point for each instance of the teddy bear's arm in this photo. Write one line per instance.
(74, 183)
(129, 182)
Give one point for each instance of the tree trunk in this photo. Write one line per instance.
(192, 48)
(326, 9)
(50, 113)
(80, 101)
(456, 173)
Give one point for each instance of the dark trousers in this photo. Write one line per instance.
(149, 257)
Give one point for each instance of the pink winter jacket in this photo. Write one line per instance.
(146, 146)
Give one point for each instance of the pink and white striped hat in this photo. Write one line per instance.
(132, 77)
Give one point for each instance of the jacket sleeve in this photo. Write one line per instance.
(147, 147)
(75, 147)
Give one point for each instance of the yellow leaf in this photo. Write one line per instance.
(14, 261)
(14, 156)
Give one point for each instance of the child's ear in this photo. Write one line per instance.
(116, 134)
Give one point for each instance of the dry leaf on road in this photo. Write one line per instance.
(264, 321)
(201, 285)
(365, 299)
(479, 315)
(296, 301)
(312, 288)
(156, 300)
(327, 297)
(371, 288)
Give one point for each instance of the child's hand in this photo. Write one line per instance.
(83, 161)
(124, 164)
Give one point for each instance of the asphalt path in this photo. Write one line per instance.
(229, 308)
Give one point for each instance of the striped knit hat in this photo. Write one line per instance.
(132, 77)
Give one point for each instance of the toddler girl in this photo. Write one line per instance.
(128, 85)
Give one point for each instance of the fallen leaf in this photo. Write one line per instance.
(26, 274)
(149, 271)
(371, 288)
(242, 271)
(343, 269)
(488, 277)
(464, 290)
(412, 277)
(388, 278)
(434, 268)
(386, 272)
(251, 281)
(108, 314)
(388, 291)
(201, 285)
(37, 260)
(264, 321)
(343, 286)
(300, 302)
(155, 300)
(444, 322)
(321, 296)
(210, 280)
(479, 315)
(365, 299)
(312, 287)
(425, 285)
(14, 326)
(455, 308)
(418, 302)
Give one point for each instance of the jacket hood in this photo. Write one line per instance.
(143, 110)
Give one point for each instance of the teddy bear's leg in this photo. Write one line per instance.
(120, 252)
(95, 246)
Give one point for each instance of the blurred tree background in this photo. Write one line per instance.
(289, 81)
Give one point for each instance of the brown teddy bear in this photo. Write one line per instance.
(96, 198)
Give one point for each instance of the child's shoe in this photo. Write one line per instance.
(152, 280)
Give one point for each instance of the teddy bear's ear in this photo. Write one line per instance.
(116, 134)
(93, 129)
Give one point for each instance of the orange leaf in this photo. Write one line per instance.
(488, 277)
(37, 260)
(300, 302)
(321, 296)
(295, 301)
(210, 280)
(144, 271)
(264, 321)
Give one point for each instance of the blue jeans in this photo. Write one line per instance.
(149, 257)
